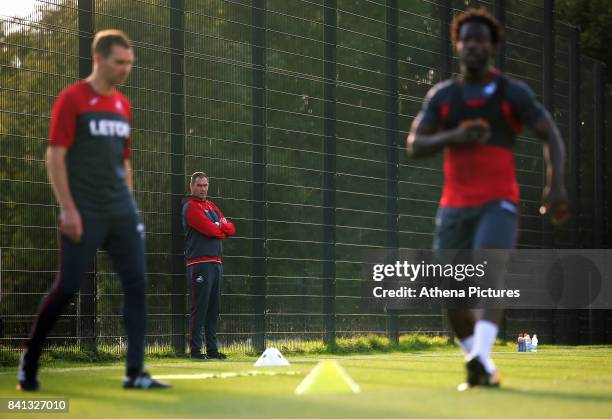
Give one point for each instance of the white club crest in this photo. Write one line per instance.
(490, 88)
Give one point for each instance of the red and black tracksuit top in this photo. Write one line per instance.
(95, 129)
(204, 231)
(477, 174)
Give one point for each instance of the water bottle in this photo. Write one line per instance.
(527, 343)
(534, 343)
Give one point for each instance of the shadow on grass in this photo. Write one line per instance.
(555, 395)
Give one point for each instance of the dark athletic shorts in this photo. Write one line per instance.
(491, 226)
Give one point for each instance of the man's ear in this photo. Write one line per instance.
(97, 57)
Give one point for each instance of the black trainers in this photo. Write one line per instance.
(143, 381)
(216, 355)
(477, 376)
(27, 376)
(197, 355)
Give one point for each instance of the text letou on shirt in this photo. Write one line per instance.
(108, 127)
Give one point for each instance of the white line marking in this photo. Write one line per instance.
(205, 376)
(389, 357)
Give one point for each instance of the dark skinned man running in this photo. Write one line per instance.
(474, 120)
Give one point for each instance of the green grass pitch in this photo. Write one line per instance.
(556, 382)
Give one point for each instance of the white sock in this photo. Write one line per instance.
(467, 344)
(485, 333)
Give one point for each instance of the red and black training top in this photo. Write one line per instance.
(477, 174)
(204, 230)
(96, 130)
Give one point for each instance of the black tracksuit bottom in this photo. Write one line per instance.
(122, 236)
(206, 282)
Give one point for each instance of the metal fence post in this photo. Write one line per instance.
(548, 83)
(329, 171)
(574, 144)
(445, 64)
(599, 155)
(548, 90)
(258, 290)
(88, 309)
(597, 317)
(500, 14)
(177, 136)
(566, 324)
(391, 130)
(500, 62)
(446, 50)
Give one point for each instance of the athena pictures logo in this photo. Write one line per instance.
(491, 278)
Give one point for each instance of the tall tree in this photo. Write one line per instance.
(594, 18)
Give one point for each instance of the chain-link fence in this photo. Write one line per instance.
(298, 110)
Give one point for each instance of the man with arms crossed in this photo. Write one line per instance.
(205, 228)
(88, 163)
(474, 120)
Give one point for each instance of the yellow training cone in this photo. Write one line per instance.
(327, 377)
